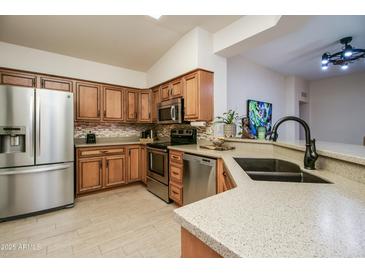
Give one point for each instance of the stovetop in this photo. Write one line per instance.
(178, 137)
(163, 145)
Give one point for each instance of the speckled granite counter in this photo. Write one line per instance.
(81, 142)
(277, 219)
(345, 152)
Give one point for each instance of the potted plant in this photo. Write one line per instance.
(229, 118)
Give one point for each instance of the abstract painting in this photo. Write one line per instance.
(259, 114)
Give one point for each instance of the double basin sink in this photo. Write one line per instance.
(275, 170)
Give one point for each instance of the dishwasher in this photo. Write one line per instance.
(199, 178)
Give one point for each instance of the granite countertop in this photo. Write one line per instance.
(108, 141)
(277, 219)
(346, 152)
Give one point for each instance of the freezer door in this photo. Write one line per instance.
(54, 127)
(16, 126)
(28, 190)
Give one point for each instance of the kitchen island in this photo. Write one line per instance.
(280, 219)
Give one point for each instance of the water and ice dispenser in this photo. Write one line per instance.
(12, 139)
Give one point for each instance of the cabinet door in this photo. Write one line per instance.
(176, 88)
(144, 109)
(191, 96)
(165, 92)
(56, 83)
(134, 163)
(144, 164)
(18, 79)
(131, 105)
(115, 170)
(113, 104)
(88, 101)
(90, 174)
(154, 105)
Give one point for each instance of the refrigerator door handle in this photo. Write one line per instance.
(39, 169)
(30, 131)
(38, 124)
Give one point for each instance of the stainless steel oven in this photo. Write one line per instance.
(158, 164)
(171, 111)
(158, 172)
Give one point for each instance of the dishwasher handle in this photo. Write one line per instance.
(201, 160)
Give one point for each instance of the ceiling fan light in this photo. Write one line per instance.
(344, 66)
(324, 66)
(325, 59)
(348, 51)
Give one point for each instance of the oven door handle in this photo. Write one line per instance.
(161, 150)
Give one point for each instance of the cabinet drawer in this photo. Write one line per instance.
(176, 156)
(176, 173)
(176, 193)
(101, 152)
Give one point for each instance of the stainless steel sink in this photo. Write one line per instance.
(274, 170)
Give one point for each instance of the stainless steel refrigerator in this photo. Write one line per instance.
(36, 151)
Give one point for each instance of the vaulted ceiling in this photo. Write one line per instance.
(134, 42)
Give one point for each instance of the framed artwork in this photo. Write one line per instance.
(259, 114)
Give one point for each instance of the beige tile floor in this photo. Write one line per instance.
(126, 222)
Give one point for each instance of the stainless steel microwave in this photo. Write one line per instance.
(171, 111)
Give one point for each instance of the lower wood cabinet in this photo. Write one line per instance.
(144, 164)
(176, 176)
(224, 180)
(99, 168)
(115, 170)
(133, 163)
(90, 174)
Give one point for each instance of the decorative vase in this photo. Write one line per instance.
(229, 130)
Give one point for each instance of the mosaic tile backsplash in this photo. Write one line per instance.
(129, 130)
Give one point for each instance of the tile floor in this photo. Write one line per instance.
(126, 222)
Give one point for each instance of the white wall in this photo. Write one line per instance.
(179, 59)
(18, 57)
(337, 109)
(247, 80)
(193, 50)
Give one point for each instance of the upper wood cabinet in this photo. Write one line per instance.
(176, 88)
(198, 96)
(172, 89)
(154, 104)
(134, 171)
(113, 103)
(88, 101)
(144, 107)
(131, 103)
(18, 78)
(55, 83)
(165, 92)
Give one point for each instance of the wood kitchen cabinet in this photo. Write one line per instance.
(154, 104)
(90, 174)
(176, 176)
(144, 106)
(173, 89)
(198, 96)
(113, 103)
(131, 103)
(98, 168)
(14, 78)
(115, 170)
(88, 101)
(224, 180)
(144, 164)
(55, 83)
(134, 163)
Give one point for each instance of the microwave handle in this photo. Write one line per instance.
(173, 113)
